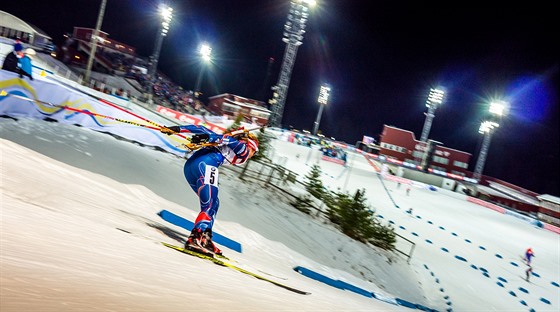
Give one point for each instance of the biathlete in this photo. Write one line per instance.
(201, 172)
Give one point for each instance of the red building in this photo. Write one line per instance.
(401, 145)
(110, 55)
(231, 105)
(84, 34)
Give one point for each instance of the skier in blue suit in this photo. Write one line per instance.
(201, 171)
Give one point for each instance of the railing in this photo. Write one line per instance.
(282, 179)
(285, 181)
(412, 246)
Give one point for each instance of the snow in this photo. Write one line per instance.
(80, 232)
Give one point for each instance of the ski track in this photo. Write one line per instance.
(61, 249)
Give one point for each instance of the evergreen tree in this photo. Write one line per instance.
(314, 184)
(264, 145)
(355, 219)
(236, 123)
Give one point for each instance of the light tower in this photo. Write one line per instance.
(205, 52)
(435, 98)
(497, 110)
(294, 28)
(323, 98)
(166, 14)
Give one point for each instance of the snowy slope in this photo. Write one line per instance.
(80, 231)
(77, 240)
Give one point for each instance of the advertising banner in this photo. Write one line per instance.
(43, 98)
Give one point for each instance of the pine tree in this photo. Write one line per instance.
(355, 219)
(264, 145)
(314, 184)
(236, 123)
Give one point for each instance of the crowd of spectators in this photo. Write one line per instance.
(168, 94)
(165, 92)
(119, 61)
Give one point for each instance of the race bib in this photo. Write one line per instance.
(211, 176)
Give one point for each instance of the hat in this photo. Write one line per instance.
(30, 52)
(18, 46)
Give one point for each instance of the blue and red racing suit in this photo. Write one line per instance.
(201, 170)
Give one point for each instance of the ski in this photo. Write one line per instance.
(229, 265)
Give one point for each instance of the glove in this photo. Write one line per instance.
(170, 130)
(200, 138)
(206, 138)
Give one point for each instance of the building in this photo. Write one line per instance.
(401, 145)
(368, 145)
(84, 34)
(15, 28)
(231, 105)
(110, 55)
(549, 210)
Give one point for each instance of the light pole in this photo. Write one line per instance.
(294, 28)
(435, 98)
(93, 41)
(323, 98)
(205, 52)
(497, 110)
(166, 14)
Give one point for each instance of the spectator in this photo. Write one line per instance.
(25, 63)
(11, 61)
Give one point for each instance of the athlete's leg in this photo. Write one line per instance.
(202, 176)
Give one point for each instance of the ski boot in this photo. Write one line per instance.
(195, 243)
(207, 243)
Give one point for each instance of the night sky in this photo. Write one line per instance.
(380, 57)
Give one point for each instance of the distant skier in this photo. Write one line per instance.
(409, 211)
(528, 272)
(529, 255)
(201, 171)
(408, 191)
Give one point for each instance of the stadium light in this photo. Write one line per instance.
(487, 127)
(294, 28)
(435, 99)
(323, 99)
(166, 14)
(205, 52)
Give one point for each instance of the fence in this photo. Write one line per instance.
(285, 181)
(274, 175)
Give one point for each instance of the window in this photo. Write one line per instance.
(441, 160)
(418, 154)
(392, 147)
(460, 164)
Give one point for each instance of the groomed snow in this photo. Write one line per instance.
(80, 232)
